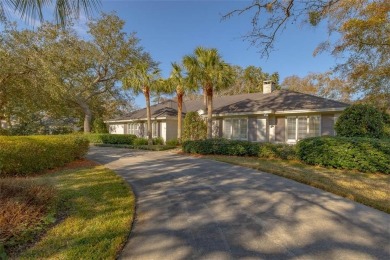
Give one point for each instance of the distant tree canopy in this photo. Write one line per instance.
(249, 80)
(361, 29)
(320, 84)
(53, 72)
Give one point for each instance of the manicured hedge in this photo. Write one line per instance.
(221, 146)
(21, 155)
(240, 148)
(110, 139)
(363, 154)
(281, 151)
(157, 147)
(144, 141)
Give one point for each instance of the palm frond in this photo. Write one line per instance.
(64, 10)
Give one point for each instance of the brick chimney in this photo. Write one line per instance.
(268, 86)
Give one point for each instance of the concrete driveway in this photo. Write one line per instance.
(190, 208)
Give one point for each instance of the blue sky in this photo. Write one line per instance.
(171, 29)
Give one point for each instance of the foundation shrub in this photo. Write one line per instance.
(363, 154)
(281, 151)
(110, 139)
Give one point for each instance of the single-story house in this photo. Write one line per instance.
(281, 116)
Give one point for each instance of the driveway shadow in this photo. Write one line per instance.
(189, 208)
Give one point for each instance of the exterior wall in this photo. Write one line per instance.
(116, 129)
(327, 124)
(280, 130)
(171, 129)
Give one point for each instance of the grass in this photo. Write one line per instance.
(95, 209)
(371, 189)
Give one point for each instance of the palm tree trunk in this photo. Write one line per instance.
(179, 115)
(209, 113)
(148, 115)
(205, 99)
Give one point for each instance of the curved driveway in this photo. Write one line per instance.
(190, 208)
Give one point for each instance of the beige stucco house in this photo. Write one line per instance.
(272, 116)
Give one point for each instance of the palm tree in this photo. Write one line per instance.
(178, 82)
(142, 78)
(64, 10)
(208, 70)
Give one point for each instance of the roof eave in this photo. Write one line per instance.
(134, 119)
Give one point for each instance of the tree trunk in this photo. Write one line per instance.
(209, 113)
(179, 116)
(87, 116)
(148, 115)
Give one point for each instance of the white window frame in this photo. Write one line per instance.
(297, 127)
(132, 128)
(154, 129)
(231, 128)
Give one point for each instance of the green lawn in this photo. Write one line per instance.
(366, 188)
(96, 208)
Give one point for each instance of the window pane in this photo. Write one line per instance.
(236, 129)
(243, 129)
(314, 125)
(227, 128)
(291, 128)
(154, 129)
(302, 127)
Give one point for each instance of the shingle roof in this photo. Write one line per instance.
(166, 108)
(278, 101)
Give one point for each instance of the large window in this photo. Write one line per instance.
(132, 128)
(301, 127)
(155, 129)
(140, 129)
(235, 128)
(291, 128)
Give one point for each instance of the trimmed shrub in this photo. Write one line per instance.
(140, 141)
(240, 148)
(361, 120)
(363, 154)
(99, 127)
(173, 142)
(110, 139)
(21, 155)
(158, 141)
(281, 151)
(194, 127)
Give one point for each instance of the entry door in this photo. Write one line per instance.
(261, 129)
